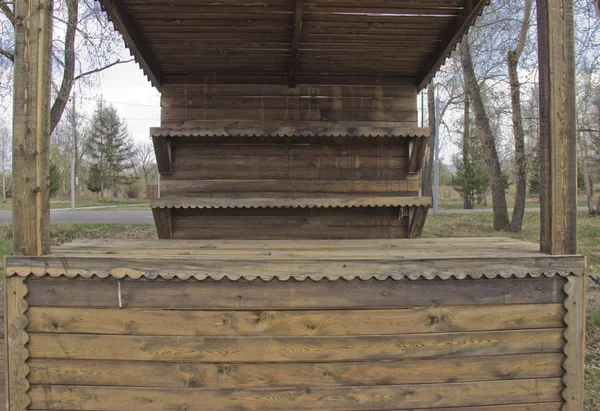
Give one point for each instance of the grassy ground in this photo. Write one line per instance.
(88, 202)
(441, 225)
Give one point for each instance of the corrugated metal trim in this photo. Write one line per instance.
(132, 273)
(343, 202)
(317, 129)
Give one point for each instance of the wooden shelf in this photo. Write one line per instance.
(291, 202)
(292, 129)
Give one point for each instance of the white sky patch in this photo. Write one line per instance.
(126, 87)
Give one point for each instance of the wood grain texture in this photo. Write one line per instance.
(558, 136)
(243, 294)
(292, 349)
(343, 398)
(31, 128)
(574, 349)
(231, 375)
(298, 323)
(16, 341)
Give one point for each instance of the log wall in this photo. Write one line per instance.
(122, 344)
(189, 104)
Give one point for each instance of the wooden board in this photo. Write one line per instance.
(61, 320)
(344, 398)
(258, 294)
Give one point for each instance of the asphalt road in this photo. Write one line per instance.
(83, 216)
(90, 217)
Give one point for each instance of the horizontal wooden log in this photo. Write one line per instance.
(292, 349)
(191, 188)
(258, 294)
(193, 375)
(187, 147)
(300, 323)
(169, 115)
(343, 398)
(290, 102)
(226, 171)
(293, 232)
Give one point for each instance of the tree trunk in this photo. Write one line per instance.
(519, 137)
(517, 122)
(587, 179)
(499, 207)
(427, 169)
(69, 67)
(468, 202)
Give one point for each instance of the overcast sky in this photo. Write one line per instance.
(126, 87)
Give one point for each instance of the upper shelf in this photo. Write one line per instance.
(292, 129)
(292, 202)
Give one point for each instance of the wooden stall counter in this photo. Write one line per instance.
(428, 324)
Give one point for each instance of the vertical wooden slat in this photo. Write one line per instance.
(558, 155)
(16, 339)
(164, 222)
(574, 349)
(31, 127)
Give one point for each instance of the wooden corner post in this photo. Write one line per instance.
(31, 127)
(558, 141)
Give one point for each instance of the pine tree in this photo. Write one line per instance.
(110, 148)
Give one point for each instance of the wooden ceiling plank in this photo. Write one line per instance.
(454, 34)
(133, 39)
(296, 40)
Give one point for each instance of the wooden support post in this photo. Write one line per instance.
(558, 140)
(31, 127)
(16, 340)
(296, 38)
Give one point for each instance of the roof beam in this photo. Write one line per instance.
(453, 35)
(293, 70)
(134, 40)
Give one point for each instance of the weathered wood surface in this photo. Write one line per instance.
(16, 340)
(558, 135)
(31, 128)
(62, 320)
(333, 374)
(289, 42)
(486, 344)
(257, 294)
(292, 349)
(574, 349)
(344, 398)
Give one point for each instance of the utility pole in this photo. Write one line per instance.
(436, 162)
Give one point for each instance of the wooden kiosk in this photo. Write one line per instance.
(289, 274)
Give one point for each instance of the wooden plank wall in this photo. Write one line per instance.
(268, 223)
(329, 345)
(261, 166)
(188, 104)
(275, 166)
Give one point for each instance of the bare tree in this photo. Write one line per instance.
(72, 59)
(145, 157)
(482, 121)
(5, 156)
(517, 121)
(427, 169)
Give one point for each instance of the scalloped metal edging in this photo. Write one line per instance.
(17, 339)
(134, 274)
(257, 206)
